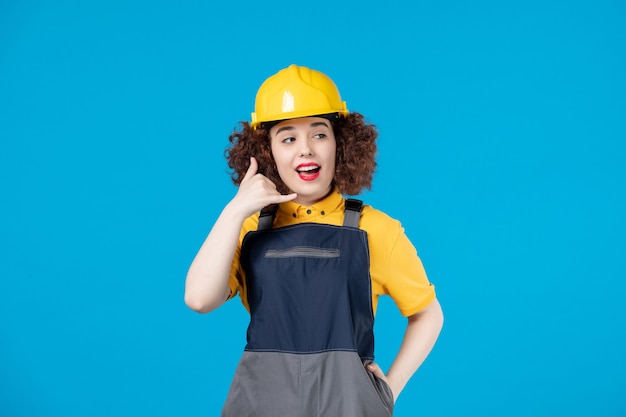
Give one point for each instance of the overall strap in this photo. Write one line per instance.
(353, 212)
(266, 218)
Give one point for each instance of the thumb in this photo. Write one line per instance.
(375, 369)
(252, 169)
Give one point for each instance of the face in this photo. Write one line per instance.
(304, 152)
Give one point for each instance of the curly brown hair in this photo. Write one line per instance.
(355, 159)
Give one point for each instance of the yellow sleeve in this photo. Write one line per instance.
(237, 281)
(407, 283)
(395, 268)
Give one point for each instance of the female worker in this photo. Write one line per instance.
(308, 264)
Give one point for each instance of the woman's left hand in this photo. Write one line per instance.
(375, 369)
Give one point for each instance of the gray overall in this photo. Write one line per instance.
(311, 324)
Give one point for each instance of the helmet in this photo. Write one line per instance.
(296, 92)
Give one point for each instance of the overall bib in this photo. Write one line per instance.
(311, 324)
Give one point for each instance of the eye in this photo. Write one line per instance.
(289, 139)
(320, 136)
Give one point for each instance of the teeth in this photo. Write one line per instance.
(308, 168)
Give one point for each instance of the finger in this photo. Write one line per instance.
(252, 169)
(284, 198)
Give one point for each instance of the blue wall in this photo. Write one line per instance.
(502, 148)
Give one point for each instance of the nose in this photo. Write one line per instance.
(305, 148)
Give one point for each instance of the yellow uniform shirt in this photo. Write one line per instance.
(395, 268)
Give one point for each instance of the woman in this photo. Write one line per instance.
(310, 267)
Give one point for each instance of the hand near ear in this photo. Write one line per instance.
(256, 191)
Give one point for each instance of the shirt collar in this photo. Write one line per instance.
(327, 205)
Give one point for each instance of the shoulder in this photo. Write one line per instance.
(379, 223)
(250, 224)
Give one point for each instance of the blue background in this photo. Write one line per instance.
(502, 129)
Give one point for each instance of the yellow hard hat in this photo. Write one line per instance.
(296, 92)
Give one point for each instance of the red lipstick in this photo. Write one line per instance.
(308, 171)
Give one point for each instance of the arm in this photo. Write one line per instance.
(206, 286)
(420, 336)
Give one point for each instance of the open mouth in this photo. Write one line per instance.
(309, 171)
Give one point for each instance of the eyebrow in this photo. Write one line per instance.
(314, 124)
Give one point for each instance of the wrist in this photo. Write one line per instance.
(235, 212)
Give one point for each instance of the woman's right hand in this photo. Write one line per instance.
(256, 191)
(206, 287)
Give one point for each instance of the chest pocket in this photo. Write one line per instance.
(302, 252)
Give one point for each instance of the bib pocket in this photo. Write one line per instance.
(302, 252)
